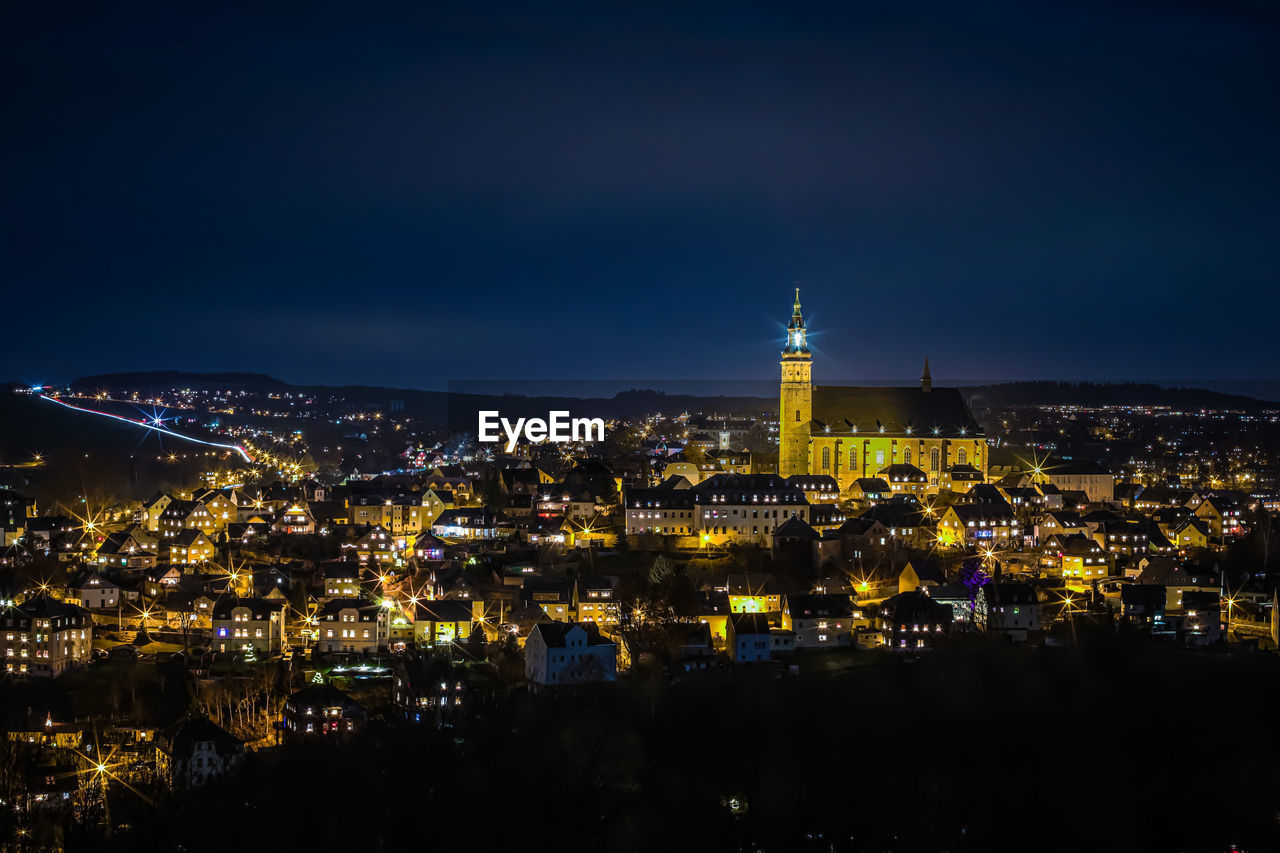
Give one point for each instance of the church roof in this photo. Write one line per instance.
(867, 408)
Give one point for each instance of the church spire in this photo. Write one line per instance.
(926, 379)
(795, 329)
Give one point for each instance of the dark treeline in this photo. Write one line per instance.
(1115, 744)
(1045, 393)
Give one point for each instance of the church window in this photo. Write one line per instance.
(906, 456)
(879, 459)
(826, 458)
(797, 415)
(933, 459)
(853, 459)
(961, 456)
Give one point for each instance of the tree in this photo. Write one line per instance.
(661, 569)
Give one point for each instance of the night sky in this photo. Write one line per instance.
(409, 195)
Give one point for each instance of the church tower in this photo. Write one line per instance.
(795, 406)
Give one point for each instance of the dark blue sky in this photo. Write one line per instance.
(411, 194)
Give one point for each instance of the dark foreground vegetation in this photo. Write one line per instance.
(1114, 745)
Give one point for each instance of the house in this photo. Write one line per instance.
(1143, 605)
(322, 711)
(559, 654)
(1008, 608)
(1060, 523)
(753, 593)
(554, 596)
(665, 510)
(443, 623)
(428, 547)
(373, 546)
(819, 621)
(127, 549)
(295, 519)
(180, 515)
(194, 751)
(468, 523)
(1080, 475)
(912, 621)
(978, 525)
(869, 490)
(222, 509)
(862, 537)
(240, 624)
(45, 638)
(694, 648)
(594, 601)
(1202, 617)
(1223, 514)
(920, 573)
(794, 539)
(186, 547)
(95, 592)
(350, 626)
(905, 479)
(745, 507)
(750, 639)
(341, 579)
(1190, 534)
(1078, 558)
(429, 691)
(960, 478)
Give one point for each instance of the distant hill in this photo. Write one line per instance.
(458, 411)
(1106, 394)
(160, 380)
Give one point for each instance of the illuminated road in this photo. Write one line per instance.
(152, 426)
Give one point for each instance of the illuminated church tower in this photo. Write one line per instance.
(795, 408)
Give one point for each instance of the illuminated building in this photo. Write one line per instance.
(1078, 558)
(179, 516)
(750, 638)
(45, 638)
(373, 546)
(400, 514)
(295, 519)
(912, 621)
(746, 507)
(594, 601)
(341, 579)
(848, 432)
(472, 523)
(442, 623)
(560, 654)
(1223, 514)
(753, 593)
(819, 621)
(1010, 609)
(986, 525)
(95, 592)
(188, 546)
(351, 626)
(221, 508)
(240, 624)
(195, 751)
(321, 711)
(1079, 475)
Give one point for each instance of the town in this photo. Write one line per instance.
(365, 578)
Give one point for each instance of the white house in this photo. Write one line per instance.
(567, 653)
(96, 592)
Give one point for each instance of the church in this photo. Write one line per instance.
(903, 435)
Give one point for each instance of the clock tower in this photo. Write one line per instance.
(795, 406)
